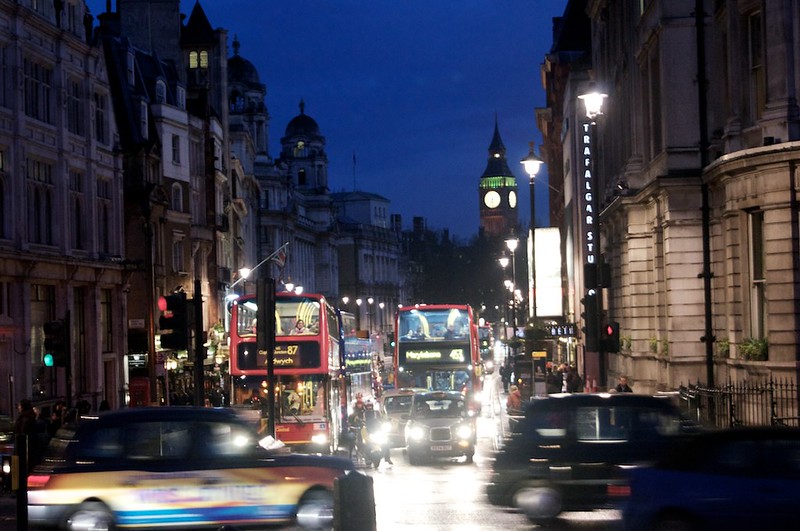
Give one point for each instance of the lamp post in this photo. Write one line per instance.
(593, 101)
(370, 300)
(532, 163)
(512, 243)
(504, 264)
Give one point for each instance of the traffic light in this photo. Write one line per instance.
(173, 323)
(56, 344)
(611, 337)
(391, 340)
(590, 321)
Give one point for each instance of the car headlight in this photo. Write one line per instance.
(416, 433)
(464, 432)
(319, 438)
(386, 427)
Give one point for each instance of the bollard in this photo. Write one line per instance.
(354, 503)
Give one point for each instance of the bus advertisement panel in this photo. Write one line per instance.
(437, 349)
(308, 362)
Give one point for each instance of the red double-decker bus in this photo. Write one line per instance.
(436, 348)
(310, 393)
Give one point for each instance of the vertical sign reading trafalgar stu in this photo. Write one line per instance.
(588, 204)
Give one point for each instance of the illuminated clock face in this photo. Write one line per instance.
(512, 199)
(491, 199)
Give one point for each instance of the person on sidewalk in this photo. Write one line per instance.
(514, 401)
(622, 385)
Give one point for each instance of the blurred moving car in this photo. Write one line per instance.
(440, 425)
(570, 452)
(178, 468)
(395, 406)
(6, 451)
(744, 478)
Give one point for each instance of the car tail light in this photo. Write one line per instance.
(618, 491)
(38, 481)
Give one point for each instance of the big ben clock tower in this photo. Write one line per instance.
(497, 192)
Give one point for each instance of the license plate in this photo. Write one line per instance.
(441, 448)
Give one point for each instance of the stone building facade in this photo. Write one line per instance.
(697, 188)
(62, 250)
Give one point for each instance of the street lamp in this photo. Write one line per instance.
(370, 300)
(593, 100)
(244, 272)
(512, 243)
(504, 264)
(532, 163)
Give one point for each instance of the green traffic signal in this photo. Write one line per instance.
(56, 343)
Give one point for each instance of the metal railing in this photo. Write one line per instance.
(744, 403)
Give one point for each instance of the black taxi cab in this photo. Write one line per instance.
(440, 425)
(179, 468)
(574, 452)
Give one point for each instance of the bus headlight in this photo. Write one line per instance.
(319, 438)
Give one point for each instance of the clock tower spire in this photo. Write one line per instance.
(497, 192)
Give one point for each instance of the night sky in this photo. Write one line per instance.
(408, 89)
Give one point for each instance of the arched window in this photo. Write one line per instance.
(177, 197)
(236, 102)
(193, 60)
(161, 92)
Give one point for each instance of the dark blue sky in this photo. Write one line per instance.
(411, 87)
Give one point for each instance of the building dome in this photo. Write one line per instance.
(240, 70)
(302, 124)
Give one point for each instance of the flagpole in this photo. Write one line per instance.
(267, 259)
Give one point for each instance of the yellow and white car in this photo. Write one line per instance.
(177, 468)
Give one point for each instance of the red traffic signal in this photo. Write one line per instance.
(611, 337)
(173, 322)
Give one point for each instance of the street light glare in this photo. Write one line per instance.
(512, 243)
(593, 100)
